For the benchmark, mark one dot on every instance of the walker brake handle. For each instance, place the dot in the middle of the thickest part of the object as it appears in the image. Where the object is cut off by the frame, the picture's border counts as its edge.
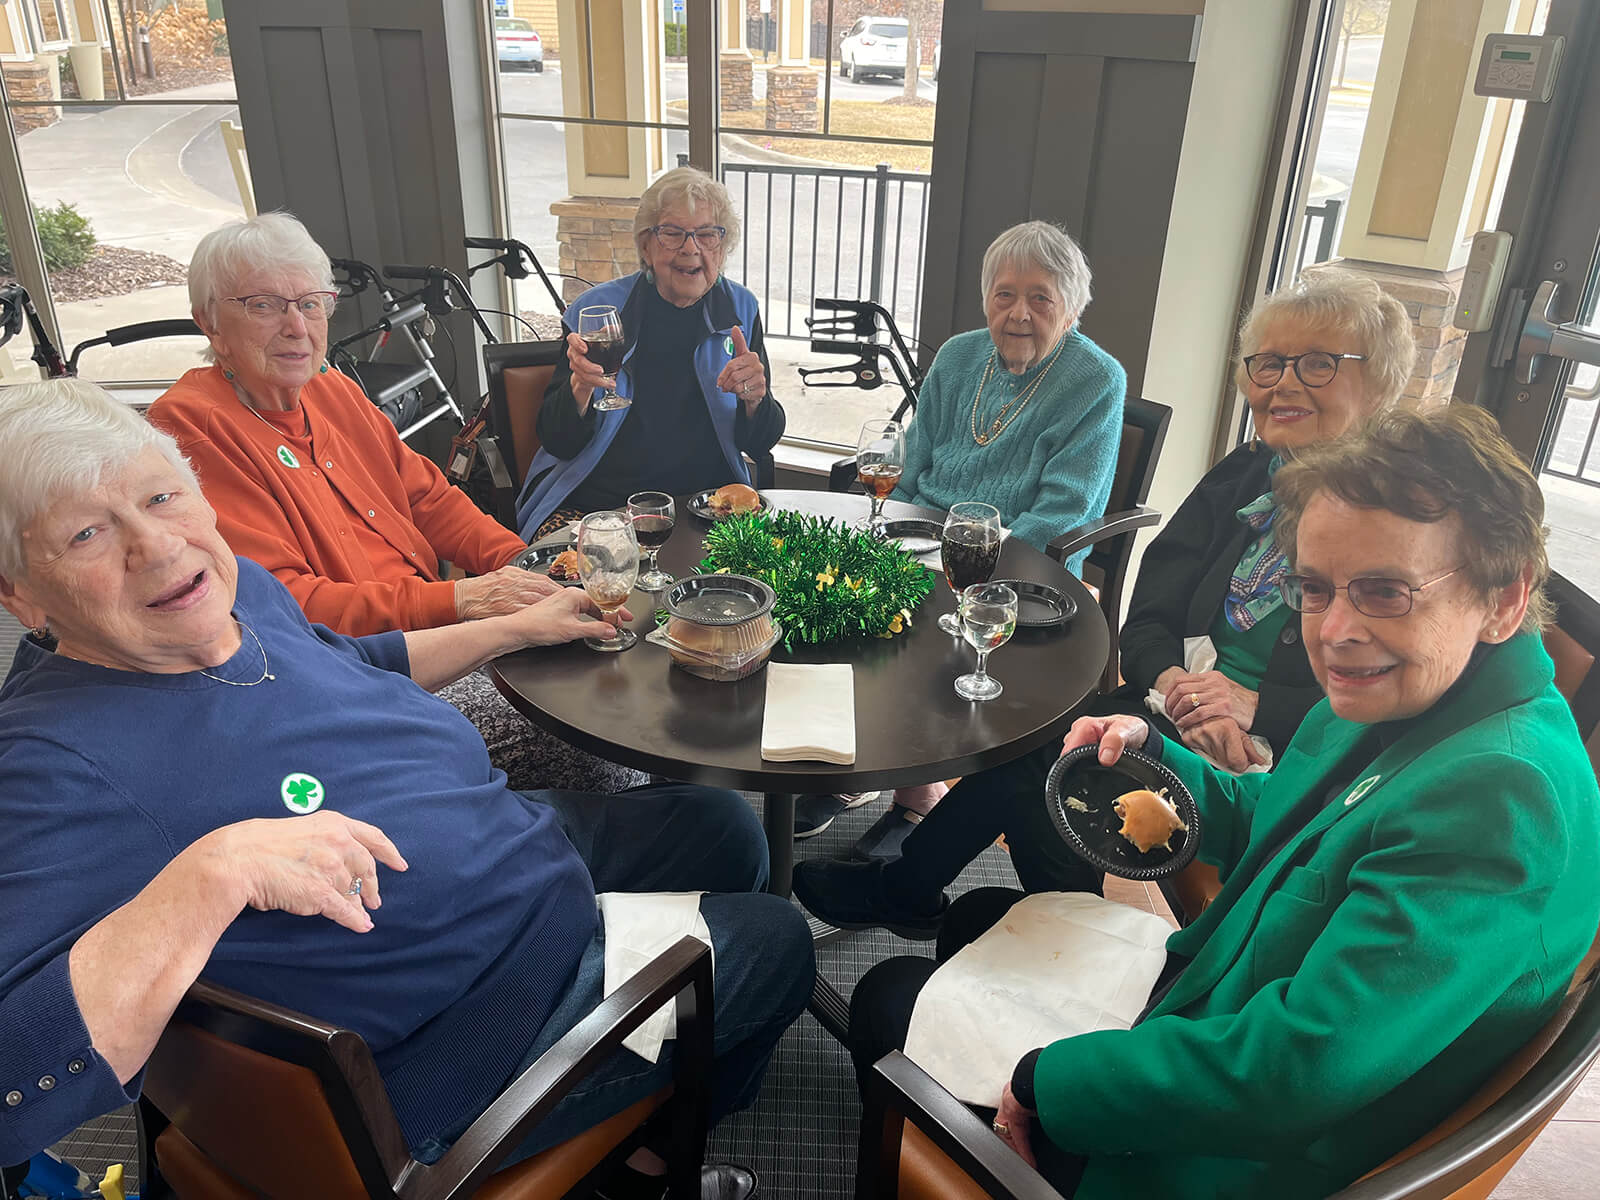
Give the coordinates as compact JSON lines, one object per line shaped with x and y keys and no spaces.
{"x":863,"y":373}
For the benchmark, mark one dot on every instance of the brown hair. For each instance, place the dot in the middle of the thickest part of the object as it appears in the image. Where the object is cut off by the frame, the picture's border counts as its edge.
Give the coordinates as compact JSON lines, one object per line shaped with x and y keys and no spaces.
{"x":1425,"y":467}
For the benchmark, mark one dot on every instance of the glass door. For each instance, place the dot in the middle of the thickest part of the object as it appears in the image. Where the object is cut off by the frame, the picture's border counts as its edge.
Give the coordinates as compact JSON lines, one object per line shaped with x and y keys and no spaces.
{"x":1538,"y":367}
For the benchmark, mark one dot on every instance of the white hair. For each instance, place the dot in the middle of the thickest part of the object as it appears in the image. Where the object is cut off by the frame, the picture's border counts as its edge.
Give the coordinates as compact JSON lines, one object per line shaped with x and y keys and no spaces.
{"x":272,"y":240}
{"x":1048,"y":247}
{"x":1331,"y":300}
{"x":694,"y":189}
{"x":60,"y":438}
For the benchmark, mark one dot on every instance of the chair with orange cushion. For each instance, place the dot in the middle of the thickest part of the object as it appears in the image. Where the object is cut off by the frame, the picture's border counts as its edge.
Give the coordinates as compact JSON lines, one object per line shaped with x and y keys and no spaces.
{"x":518,"y":374}
{"x":244,"y":1099}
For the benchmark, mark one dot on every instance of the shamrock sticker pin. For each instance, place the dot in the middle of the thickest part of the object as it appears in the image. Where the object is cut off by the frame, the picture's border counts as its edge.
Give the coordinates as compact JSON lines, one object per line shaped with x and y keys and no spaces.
{"x":286,"y":457}
{"x":301,"y":793}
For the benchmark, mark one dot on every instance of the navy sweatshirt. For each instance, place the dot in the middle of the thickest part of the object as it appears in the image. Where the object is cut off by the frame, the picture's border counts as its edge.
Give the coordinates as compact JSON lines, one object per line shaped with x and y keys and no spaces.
{"x":106,"y":775}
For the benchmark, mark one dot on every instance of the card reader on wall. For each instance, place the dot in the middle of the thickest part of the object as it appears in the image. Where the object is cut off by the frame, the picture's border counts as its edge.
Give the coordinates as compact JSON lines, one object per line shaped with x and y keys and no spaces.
{"x":1519,"y":66}
{"x":1480,"y":283}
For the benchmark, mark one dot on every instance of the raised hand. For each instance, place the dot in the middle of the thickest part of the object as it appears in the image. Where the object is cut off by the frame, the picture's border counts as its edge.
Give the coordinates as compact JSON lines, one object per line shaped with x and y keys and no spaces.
{"x":745,"y":375}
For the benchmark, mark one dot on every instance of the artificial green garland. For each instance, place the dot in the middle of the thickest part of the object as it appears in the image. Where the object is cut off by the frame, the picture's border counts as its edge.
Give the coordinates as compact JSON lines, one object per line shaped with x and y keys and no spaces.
{"x":832,"y":582}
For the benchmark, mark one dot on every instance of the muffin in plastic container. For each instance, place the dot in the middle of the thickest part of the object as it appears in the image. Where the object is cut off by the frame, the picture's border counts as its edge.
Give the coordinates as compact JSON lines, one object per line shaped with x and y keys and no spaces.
{"x":720,"y":627}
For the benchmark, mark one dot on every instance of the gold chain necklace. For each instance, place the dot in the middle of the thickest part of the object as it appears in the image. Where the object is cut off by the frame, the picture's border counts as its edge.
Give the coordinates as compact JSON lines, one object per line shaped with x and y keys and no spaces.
{"x":266,"y":673}
{"x":239,"y":394}
{"x":1001,"y":422}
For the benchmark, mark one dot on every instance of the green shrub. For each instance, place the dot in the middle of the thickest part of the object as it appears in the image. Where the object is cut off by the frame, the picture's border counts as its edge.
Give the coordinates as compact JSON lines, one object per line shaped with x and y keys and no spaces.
{"x":677,"y":40}
{"x":65,"y":234}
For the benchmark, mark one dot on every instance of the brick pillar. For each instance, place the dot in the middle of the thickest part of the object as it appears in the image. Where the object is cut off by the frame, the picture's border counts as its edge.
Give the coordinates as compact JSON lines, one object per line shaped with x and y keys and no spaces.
{"x":32,"y":81}
{"x":1430,"y":299}
{"x":594,"y":235}
{"x":792,"y":99}
{"x":108,"y":69}
{"x":737,"y":72}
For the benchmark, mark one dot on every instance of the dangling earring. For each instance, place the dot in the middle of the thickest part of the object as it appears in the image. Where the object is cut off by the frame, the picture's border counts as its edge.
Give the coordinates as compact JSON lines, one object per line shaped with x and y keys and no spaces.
{"x":227,"y":374}
{"x":323,"y":369}
{"x":1255,"y":444}
{"x":42,"y":632}
{"x":649,"y":274}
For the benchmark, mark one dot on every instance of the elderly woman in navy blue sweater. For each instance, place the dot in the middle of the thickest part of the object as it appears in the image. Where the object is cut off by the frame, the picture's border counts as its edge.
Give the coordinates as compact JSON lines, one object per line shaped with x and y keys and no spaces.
{"x":196,"y":781}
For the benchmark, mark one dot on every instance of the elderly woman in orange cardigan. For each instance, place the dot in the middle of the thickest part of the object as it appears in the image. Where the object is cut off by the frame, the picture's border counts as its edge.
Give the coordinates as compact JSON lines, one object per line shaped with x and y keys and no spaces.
{"x":311,"y":481}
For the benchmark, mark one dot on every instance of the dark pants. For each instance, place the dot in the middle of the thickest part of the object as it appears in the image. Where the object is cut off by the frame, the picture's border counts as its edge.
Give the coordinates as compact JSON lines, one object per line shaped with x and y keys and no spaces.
{"x":1005,"y":800}
{"x":881,"y":1006}
{"x":677,"y":838}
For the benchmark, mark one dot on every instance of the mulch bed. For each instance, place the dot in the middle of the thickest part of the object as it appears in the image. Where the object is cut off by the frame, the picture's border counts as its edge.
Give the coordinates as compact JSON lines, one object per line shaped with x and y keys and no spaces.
{"x":114,"y":271}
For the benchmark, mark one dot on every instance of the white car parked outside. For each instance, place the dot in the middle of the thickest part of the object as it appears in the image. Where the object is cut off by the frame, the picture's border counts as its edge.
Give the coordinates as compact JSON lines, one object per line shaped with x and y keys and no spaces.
{"x":874,"y":46}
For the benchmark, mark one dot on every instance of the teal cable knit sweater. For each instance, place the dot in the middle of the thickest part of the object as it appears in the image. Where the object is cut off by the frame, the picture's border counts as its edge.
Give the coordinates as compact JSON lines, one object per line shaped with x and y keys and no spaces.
{"x":1051,"y":469}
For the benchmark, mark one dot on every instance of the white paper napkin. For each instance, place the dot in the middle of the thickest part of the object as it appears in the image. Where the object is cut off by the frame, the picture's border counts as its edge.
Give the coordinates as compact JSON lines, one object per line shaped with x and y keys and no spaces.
{"x":811,"y":713}
{"x":1057,"y":965}
{"x":639,"y":926}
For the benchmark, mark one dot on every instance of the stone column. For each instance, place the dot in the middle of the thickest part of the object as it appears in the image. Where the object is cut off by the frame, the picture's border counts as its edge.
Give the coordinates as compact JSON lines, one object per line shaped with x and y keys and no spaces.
{"x":608,"y":166}
{"x":36,"y":80}
{"x":1425,"y":181}
{"x":793,"y":84}
{"x":735,"y":67}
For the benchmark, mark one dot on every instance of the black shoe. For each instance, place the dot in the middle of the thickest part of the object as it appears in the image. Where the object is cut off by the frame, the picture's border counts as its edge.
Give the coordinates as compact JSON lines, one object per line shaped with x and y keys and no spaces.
{"x":814,"y":812}
{"x":883,"y":840}
{"x":718,"y":1181}
{"x":855,"y":799}
{"x":851,"y":895}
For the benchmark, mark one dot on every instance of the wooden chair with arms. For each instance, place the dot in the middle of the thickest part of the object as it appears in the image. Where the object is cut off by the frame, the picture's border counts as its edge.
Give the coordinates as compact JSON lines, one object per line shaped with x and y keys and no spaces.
{"x":245,"y":1099}
{"x":518,"y":374}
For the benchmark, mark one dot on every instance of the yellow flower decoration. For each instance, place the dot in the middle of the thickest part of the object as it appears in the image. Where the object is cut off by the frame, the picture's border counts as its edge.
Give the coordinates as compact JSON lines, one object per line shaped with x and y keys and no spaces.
{"x":896,"y":625}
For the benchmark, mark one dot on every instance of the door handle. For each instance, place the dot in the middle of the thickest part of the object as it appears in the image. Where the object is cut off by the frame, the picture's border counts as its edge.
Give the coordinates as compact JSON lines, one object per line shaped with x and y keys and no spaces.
{"x":1543,"y":336}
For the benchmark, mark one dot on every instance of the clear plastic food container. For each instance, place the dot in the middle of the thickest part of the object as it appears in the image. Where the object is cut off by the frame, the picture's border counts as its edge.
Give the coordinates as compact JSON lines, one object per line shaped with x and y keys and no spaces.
{"x":720,"y":627}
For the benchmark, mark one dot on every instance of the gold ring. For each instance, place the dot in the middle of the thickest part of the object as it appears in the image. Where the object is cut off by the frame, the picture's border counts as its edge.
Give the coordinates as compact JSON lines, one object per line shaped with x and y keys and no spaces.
{"x":1194,"y":700}
{"x":1002,"y":1129}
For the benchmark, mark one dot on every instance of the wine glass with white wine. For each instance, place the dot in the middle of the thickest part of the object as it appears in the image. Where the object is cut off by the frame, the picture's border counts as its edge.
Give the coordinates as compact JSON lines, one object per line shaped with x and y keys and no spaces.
{"x":988,"y":619}
{"x":608,"y":565}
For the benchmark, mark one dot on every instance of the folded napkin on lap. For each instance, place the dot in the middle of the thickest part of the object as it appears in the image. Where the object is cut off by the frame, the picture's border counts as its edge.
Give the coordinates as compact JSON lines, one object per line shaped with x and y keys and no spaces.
{"x":1058,"y":964}
{"x":638,"y":927}
{"x":811,"y":713}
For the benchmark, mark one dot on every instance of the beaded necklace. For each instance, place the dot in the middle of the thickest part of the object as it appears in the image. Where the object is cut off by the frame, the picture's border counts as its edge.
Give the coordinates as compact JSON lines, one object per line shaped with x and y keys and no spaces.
{"x":1001,"y":422}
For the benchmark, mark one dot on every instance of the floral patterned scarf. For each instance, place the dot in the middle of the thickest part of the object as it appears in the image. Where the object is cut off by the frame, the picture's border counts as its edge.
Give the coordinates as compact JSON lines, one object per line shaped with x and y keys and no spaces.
{"x":1253,"y":590}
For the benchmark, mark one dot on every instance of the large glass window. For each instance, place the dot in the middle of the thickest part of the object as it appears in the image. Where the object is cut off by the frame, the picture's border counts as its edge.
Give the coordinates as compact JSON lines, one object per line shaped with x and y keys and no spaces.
{"x":127,"y":130}
{"x":824,"y":139}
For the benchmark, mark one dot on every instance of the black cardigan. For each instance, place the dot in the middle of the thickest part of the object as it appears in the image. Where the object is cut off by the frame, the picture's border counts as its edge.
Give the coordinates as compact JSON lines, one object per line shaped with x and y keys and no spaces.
{"x":1181,"y":586}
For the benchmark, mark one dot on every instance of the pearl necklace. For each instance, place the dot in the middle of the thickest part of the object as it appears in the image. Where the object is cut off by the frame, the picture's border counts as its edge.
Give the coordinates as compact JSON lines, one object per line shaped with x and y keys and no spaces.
{"x":1001,"y":422}
{"x":265,"y":670}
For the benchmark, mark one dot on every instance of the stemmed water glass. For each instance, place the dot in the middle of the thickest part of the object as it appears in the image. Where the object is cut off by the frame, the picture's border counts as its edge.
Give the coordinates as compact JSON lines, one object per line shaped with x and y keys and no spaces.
{"x":988,"y":619}
{"x":970,"y":548}
{"x":653,"y":515}
{"x":601,"y":330}
{"x":608,"y":565}
{"x":880,"y":458}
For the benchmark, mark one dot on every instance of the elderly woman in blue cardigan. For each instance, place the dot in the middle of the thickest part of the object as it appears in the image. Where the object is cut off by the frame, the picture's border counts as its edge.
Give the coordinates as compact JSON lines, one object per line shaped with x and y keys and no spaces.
{"x":1025,"y":415}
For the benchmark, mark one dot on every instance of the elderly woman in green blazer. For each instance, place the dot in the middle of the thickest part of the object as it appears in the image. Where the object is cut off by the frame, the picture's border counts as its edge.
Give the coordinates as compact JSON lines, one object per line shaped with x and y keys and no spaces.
{"x":1404,"y":899}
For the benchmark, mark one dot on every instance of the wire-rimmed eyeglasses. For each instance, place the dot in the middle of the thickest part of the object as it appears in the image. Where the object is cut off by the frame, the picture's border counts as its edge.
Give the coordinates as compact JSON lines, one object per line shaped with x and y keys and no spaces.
{"x":1370,"y":594}
{"x":707,"y":237}
{"x":313,"y":306}
{"x":1314,"y":368}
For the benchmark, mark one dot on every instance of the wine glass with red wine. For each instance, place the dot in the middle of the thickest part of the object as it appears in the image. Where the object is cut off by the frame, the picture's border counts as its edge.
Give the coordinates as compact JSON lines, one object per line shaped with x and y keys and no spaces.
{"x":601,"y":329}
{"x":970,"y":548}
{"x":880,"y":458}
{"x":608,"y":565}
{"x":653,"y":514}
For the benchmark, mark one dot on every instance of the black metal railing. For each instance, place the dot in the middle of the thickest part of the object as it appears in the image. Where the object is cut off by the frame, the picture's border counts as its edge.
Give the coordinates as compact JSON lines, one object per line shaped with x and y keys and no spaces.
{"x":1572,"y":452}
{"x":1326,"y":215}
{"x":856,"y":233}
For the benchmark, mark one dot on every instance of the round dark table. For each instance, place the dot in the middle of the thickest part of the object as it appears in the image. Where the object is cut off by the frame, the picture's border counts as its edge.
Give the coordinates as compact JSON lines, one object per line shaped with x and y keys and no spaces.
{"x":911,"y":727}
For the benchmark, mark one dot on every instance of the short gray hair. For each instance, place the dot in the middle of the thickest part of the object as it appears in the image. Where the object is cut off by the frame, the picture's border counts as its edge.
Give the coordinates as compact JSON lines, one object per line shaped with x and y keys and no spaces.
{"x":1343,"y":302}
{"x":229,"y":253}
{"x":1048,"y":247}
{"x":60,"y":438}
{"x":695,"y":189}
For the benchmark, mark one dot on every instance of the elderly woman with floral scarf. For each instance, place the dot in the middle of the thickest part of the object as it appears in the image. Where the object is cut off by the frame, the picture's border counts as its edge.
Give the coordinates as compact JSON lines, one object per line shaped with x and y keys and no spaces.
{"x":1316,"y":361}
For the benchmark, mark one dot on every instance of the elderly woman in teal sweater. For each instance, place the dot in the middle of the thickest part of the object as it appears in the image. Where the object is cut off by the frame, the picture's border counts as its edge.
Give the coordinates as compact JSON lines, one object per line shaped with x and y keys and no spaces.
{"x":1025,"y":415}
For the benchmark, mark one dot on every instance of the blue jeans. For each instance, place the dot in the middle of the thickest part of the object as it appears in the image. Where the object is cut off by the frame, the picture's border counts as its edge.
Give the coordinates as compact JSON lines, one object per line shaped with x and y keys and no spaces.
{"x":676,"y":838}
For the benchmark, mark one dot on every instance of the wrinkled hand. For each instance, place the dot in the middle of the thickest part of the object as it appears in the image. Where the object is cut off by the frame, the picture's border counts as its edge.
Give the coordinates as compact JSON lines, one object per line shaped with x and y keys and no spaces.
{"x":1115,"y":734}
{"x":1225,"y":742}
{"x":563,"y":617}
{"x":1018,"y":1123}
{"x":1217,"y":696}
{"x":504,"y":591}
{"x":745,"y":375}
{"x":304,"y":865}
{"x":586,"y":376}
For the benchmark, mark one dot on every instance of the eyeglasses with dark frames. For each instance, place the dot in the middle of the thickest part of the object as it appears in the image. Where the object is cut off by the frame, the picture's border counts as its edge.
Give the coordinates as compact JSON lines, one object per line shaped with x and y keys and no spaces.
{"x":313,"y":306}
{"x":1370,"y":594}
{"x":1314,"y":368}
{"x":707,"y":237}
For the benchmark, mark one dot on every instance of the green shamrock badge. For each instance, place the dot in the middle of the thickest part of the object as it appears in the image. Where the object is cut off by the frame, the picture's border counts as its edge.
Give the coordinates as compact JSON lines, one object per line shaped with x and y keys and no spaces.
{"x":286,"y":457}
{"x":301,"y":793}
